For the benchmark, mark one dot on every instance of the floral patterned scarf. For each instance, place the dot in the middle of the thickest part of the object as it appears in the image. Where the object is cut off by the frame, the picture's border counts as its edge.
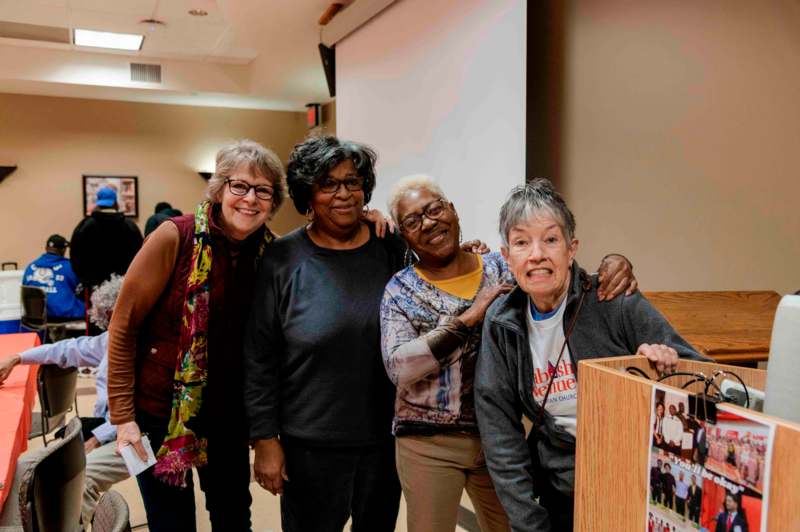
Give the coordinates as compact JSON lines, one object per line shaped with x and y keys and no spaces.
{"x":183,"y":448}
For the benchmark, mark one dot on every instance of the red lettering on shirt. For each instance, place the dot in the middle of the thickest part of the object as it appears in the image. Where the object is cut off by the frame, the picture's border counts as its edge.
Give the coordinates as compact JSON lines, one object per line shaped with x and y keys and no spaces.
{"x":563,"y":381}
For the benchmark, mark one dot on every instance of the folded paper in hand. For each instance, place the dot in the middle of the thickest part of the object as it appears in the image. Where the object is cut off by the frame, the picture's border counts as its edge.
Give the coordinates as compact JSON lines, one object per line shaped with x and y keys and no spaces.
{"x":135,"y":464}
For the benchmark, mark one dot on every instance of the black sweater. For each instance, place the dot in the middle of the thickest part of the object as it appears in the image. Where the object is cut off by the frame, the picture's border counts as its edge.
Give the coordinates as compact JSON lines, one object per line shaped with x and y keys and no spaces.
{"x":313,"y":367}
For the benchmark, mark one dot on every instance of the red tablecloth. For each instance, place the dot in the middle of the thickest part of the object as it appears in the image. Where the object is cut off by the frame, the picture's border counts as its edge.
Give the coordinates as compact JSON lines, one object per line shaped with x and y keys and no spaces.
{"x":16,"y":403}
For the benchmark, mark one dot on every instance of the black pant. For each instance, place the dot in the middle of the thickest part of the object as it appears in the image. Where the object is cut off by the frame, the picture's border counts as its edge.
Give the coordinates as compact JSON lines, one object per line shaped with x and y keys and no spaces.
{"x":225,"y":480}
{"x":655,"y":492}
{"x":669,"y":500}
{"x":327,"y":485}
{"x":680,"y":505}
{"x":560,"y":507}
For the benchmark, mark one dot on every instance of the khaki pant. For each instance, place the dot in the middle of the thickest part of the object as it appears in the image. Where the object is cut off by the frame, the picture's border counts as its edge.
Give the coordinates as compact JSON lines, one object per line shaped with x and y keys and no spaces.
{"x":104,"y":468}
{"x":434,"y":471}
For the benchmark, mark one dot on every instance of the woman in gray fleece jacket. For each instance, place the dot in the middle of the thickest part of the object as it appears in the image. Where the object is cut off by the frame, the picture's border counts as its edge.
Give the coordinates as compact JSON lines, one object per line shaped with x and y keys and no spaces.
{"x":532,"y":340}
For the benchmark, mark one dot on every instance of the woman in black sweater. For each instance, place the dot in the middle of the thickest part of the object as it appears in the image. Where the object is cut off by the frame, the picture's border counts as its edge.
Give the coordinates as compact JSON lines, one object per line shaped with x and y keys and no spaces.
{"x":318,"y":400}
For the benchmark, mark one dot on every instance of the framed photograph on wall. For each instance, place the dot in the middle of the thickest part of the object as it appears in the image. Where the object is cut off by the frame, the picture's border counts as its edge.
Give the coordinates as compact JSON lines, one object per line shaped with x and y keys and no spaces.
{"x":126,"y":187}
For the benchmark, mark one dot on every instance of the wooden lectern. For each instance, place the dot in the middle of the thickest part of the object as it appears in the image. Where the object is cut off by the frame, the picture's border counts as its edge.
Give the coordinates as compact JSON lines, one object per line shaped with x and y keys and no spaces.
{"x":612,"y":471}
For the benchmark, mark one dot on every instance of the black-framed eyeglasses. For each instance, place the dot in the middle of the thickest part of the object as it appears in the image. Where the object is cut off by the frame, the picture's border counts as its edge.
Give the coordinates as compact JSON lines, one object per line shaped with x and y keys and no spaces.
{"x":432,"y":211}
{"x":241,"y":188}
{"x":331,"y":186}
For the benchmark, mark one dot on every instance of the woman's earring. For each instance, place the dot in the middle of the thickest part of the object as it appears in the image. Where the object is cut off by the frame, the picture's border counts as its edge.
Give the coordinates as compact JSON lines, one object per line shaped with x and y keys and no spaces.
{"x":460,"y":235}
{"x":310,"y":215}
{"x":409,"y":257}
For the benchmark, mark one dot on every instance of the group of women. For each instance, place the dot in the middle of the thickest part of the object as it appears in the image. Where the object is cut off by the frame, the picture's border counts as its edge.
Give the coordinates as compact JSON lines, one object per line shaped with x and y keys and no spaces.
{"x":225,"y":335}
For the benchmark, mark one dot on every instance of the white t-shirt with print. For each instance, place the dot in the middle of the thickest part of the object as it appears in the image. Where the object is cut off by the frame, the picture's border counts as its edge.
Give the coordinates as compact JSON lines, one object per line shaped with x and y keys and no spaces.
{"x":546,"y":337}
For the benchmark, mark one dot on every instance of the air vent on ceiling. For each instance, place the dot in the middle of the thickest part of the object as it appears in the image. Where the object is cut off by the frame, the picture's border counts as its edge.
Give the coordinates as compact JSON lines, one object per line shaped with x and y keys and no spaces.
{"x":145,"y":72}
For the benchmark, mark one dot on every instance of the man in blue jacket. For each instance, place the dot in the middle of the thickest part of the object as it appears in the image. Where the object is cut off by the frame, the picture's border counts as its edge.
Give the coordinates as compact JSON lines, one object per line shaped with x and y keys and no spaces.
{"x":53,"y":273}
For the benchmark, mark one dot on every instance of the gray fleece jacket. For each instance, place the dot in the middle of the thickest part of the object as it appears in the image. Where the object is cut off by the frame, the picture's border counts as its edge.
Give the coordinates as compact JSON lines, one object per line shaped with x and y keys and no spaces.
{"x":504,"y":383}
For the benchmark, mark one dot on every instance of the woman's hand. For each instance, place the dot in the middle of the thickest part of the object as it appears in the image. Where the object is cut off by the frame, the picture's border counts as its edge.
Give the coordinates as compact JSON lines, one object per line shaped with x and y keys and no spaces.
{"x":615,"y":275}
{"x":474,"y":314}
{"x":475,"y":246}
{"x":269,"y":466}
{"x":7,"y":365}
{"x":382,"y":223}
{"x":662,"y":357}
{"x":129,"y":434}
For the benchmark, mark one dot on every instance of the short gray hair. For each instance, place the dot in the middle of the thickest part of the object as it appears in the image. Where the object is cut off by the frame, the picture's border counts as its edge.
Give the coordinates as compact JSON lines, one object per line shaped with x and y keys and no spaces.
{"x":532,"y":199}
{"x":260,"y":161}
{"x":408,"y":184}
{"x":104,"y":298}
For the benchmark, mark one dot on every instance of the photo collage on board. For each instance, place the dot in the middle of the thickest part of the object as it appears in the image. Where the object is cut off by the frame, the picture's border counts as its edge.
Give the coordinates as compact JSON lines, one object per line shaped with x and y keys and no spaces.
{"x":705,"y":476}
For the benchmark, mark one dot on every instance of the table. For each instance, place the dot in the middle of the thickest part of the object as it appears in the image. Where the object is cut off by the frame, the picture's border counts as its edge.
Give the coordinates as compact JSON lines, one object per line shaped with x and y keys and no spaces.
{"x":731,"y":327}
{"x":17,"y":396}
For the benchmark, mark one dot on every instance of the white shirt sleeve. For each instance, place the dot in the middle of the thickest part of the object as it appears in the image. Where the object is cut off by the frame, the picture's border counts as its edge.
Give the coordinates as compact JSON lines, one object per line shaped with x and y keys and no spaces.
{"x":105,"y":433}
{"x":75,"y":352}
{"x":69,"y":353}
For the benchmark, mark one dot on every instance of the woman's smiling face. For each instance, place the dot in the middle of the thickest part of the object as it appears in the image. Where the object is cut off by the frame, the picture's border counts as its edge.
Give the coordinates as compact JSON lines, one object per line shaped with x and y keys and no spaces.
{"x":341,"y":208}
{"x":243,"y":215}
{"x":435,"y":235}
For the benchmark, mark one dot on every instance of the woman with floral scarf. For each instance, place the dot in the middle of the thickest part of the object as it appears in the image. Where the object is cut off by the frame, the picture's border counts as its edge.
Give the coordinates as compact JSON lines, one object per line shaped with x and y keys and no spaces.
{"x":175,"y":364}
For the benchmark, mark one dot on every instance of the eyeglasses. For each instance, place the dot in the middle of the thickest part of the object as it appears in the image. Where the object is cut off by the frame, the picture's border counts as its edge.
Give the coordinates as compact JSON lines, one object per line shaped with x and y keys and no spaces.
{"x":432,"y":211}
{"x":331,"y":186}
{"x":242,"y":188}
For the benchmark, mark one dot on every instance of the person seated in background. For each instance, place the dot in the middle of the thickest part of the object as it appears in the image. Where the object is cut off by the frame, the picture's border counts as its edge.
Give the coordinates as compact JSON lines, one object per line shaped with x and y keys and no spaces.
{"x":104,"y":467}
{"x":163,"y":211}
{"x":431,"y":317}
{"x":105,"y":242}
{"x":533,"y":338}
{"x":52,"y":272}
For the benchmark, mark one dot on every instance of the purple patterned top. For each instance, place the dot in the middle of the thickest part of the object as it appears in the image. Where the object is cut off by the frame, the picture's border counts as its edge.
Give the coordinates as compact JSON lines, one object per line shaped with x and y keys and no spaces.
{"x":434,"y":393}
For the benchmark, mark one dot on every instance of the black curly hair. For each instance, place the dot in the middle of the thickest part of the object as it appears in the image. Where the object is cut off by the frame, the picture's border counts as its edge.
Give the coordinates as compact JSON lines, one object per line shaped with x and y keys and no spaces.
{"x":312,"y":160}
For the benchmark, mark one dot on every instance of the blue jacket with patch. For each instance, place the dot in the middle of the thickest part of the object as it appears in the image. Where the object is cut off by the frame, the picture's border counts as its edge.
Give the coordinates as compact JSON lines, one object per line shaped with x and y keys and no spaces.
{"x":53,"y":273}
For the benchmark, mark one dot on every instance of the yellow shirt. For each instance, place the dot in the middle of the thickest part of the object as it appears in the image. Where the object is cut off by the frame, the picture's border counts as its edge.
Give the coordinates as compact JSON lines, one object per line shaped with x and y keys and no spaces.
{"x":464,"y":286}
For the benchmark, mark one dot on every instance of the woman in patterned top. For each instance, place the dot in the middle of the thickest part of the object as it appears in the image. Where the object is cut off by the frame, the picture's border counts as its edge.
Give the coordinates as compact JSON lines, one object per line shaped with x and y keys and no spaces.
{"x":431,"y":317}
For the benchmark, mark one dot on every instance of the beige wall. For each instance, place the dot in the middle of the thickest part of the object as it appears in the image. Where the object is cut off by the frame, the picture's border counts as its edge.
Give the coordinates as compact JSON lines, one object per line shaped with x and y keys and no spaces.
{"x":56,"y":140}
{"x":329,"y":117}
{"x":681,"y":140}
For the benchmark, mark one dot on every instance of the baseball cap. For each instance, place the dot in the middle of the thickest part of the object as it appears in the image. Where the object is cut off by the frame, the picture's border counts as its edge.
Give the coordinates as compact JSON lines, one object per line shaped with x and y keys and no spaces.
{"x":57,"y":242}
{"x":106,"y":197}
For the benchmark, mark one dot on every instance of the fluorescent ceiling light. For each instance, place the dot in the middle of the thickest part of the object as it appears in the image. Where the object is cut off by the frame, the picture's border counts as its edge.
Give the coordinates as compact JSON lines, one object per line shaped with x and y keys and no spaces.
{"x":107,"y":39}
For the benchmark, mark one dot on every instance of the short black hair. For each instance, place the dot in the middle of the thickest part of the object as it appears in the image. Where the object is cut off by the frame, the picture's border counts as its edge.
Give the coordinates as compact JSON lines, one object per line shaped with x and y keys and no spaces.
{"x":312,"y":160}
{"x":162,"y":206}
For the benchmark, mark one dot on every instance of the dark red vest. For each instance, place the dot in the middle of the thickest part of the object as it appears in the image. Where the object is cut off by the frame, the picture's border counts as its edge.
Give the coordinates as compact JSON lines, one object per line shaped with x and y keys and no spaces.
{"x":159,"y":336}
{"x":158,"y":345}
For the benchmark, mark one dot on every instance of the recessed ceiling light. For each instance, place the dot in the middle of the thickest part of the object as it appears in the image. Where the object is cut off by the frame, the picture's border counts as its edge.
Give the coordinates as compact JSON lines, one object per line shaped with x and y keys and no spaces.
{"x":107,"y":39}
{"x":198,"y":12}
